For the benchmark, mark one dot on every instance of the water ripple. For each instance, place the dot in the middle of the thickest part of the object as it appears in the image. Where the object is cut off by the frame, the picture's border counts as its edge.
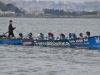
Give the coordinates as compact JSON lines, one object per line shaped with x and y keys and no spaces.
{"x":22,"y":60}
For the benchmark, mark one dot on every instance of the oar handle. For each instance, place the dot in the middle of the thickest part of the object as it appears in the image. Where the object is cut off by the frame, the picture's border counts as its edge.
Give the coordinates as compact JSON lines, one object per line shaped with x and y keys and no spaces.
{"x":5,"y":33}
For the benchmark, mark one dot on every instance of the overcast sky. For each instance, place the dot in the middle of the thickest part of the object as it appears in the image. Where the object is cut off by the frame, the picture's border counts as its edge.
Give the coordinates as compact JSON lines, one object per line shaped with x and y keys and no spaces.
{"x":76,"y":1}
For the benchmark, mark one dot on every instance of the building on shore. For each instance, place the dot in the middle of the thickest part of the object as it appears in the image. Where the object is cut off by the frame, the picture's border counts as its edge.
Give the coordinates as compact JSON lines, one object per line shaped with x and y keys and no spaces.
{"x":1,"y":13}
{"x":9,"y":12}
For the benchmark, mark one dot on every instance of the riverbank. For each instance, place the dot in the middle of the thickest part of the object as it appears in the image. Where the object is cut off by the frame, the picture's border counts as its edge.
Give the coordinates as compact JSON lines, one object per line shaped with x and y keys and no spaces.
{"x":48,"y":16}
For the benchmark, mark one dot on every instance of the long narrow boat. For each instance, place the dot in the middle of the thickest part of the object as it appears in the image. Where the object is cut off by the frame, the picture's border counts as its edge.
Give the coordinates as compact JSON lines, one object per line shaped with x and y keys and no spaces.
{"x":91,"y":42}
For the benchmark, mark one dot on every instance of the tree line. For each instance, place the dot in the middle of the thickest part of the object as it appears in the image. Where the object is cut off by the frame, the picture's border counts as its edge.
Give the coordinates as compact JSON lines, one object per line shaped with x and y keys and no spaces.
{"x":9,"y":7}
{"x":56,"y":12}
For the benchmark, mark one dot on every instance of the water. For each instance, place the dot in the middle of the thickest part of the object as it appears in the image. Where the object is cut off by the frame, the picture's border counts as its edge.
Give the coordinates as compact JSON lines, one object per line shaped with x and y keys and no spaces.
{"x":22,"y":60}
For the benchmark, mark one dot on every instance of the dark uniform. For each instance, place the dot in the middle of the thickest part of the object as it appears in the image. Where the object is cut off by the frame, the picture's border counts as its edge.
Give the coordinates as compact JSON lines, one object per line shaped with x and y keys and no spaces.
{"x":10,"y":28}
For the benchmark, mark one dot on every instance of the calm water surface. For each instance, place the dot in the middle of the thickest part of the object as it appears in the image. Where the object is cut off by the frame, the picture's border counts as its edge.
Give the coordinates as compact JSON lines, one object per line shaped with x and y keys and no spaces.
{"x":22,"y":60}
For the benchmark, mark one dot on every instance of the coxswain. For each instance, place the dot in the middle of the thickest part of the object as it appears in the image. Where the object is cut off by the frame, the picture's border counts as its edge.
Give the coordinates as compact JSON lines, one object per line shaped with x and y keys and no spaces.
{"x":11,"y":28}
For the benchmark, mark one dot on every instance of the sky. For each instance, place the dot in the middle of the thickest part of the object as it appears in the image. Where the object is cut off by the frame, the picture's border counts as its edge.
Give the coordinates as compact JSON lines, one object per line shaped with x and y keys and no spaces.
{"x":76,"y":1}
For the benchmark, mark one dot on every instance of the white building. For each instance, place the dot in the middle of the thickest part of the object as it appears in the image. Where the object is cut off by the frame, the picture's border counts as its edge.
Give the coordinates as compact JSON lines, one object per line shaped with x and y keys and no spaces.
{"x":1,"y":13}
{"x":9,"y":12}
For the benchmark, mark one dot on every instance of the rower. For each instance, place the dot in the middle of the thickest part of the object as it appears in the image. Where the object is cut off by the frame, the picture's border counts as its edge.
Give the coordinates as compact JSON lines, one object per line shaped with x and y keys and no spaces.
{"x":29,"y":36}
{"x":11,"y":28}
{"x":61,"y":37}
{"x":69,"y":37}
{"x":87,"y":34}
{"x":50,"y":36}
{"x":81,"y":36}
{"x":40,"y":36}
{"x":20,"y":36}
{"x":73,"y":36}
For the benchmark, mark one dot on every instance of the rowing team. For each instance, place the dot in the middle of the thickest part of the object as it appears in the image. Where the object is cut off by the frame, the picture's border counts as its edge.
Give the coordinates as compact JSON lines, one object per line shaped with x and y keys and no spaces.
{"x":51,"y":36}
{"x":41,"y":36}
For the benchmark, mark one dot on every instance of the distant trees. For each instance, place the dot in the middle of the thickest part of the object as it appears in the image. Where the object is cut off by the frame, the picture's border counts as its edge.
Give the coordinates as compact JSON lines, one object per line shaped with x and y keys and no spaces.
{"x":56,"y":12}
{"x":9,"y":7}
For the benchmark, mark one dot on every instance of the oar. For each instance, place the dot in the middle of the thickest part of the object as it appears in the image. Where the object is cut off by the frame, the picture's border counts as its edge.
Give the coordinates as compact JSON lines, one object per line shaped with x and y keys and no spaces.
{"x":5,"y":34}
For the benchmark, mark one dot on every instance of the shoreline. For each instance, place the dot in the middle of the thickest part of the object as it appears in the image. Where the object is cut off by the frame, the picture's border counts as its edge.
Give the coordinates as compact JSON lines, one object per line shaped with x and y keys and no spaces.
{"x":49,"y":17}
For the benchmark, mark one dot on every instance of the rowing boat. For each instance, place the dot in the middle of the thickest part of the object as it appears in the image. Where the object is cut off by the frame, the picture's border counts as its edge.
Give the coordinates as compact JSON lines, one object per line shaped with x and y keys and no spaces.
{"x":91,"y":42}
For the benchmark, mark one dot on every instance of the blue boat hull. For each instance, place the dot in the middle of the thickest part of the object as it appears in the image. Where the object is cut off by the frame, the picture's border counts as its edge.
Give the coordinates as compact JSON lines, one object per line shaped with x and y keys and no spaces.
{"x":92,"y":42}
{"x":11,"y":42}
